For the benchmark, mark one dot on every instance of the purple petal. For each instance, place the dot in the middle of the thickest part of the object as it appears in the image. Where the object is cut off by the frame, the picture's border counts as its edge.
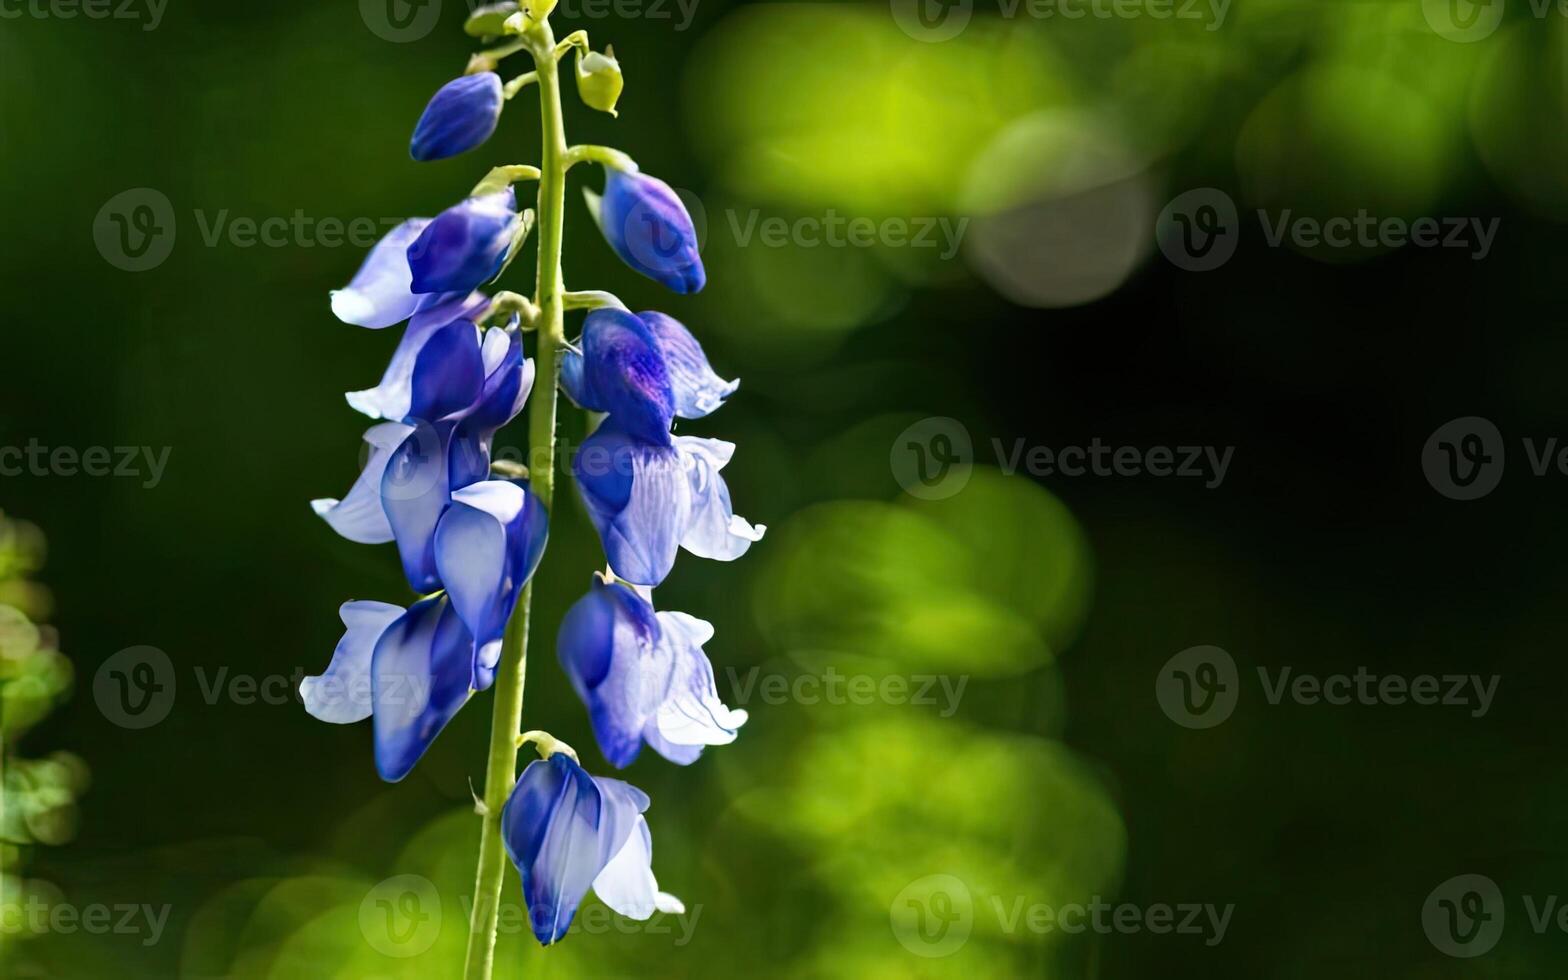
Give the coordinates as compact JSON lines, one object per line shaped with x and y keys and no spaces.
{"x":697,"y":388}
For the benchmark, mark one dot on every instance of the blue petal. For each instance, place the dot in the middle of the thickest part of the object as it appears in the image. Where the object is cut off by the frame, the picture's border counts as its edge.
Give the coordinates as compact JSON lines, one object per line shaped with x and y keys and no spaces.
{"x":414,"y":493}
{"x":715,"y":530}
{"x":561,"y":828}
{"x":341,"y":693}
{"x":487,"y":545}
{"x":420,"y":672}
{"x":623,"y":369}
{"x":465,"y":245}
{"x":381,"y":293}
{"x":697,"y":388}
{"x":448,"y":373}
{"x":462,"y":114}
{"x":508,"y":380}
{"x":391,"y":399}
{"x":609,"y":647}
{"x":360,"y":516}
{"x":638,"y":498}
{"x":648,"y":227}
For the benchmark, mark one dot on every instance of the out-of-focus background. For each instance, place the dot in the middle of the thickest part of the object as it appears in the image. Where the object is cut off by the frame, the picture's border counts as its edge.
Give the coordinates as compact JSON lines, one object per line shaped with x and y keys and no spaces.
{"x":1109,"y":367}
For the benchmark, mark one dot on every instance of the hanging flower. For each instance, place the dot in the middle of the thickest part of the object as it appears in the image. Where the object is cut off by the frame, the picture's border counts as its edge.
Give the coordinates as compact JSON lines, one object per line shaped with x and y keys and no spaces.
{"x":648,"y":227}
{"x":409,"y":671}
{"x":694,"y":388}
{"x":643,"y":676}
{"x":566,"y":832}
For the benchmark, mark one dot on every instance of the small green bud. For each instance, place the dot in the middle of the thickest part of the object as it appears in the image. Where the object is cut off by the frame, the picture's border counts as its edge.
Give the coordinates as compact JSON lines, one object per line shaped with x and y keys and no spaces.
{"x":538,"y":9}
{"x":599,"y":80}
{"x":489,"y":20}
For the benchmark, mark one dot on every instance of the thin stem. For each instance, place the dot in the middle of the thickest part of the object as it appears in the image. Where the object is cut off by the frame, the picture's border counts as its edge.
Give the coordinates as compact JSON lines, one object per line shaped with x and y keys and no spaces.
{"x":518,"y":84}
{"x":505,"y":724}
{"x":579,"y":39}
{"x":607,"y":155}
{"x":591,"y":299}
{"x":487,"y":60}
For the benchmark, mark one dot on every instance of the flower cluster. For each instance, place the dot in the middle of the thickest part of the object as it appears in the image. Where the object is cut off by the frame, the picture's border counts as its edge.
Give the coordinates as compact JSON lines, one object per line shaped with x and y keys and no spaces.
{"x":469,"y":540}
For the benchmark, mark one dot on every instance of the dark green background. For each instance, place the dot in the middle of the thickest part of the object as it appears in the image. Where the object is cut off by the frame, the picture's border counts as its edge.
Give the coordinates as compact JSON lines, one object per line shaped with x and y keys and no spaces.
{"x":1058,"y":778}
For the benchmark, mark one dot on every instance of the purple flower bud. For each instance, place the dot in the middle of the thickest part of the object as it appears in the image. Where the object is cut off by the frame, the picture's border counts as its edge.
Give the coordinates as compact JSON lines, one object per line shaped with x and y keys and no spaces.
{"x":461,"y":115}
{"x":647,"y":225}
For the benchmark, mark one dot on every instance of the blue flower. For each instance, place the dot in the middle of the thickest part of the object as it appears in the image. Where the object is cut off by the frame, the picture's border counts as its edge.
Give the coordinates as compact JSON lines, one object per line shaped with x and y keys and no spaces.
{"x":613,"y":372}
{"x":648,"y":227}
{"x":461,"y":393}
{"x":462,"y":114}
{"x":647,"y":499}
{"x":643,"y":676}
{"x":381,"y":292}
{"x":567,"y":831}
{"x":465,"y":245}
{"x":487,"y":544}
{"x":409,"y":671}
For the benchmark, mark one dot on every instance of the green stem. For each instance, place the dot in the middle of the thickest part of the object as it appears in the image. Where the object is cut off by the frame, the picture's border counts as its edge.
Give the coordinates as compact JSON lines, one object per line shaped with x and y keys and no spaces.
{"x":608,"y":156}
{"x":506,"y":723}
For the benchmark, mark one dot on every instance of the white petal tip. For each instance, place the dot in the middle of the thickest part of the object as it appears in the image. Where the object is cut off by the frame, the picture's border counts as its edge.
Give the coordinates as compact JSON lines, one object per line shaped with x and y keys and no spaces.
{"x":323,"y":505}
{"x":351,"y":306}
{"x":669,"y":904}
{"x":367,"y":402}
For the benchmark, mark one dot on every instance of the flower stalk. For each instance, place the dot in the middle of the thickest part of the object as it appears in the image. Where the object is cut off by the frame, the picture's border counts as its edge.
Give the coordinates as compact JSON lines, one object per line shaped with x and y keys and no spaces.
{"x":506,"y":722}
